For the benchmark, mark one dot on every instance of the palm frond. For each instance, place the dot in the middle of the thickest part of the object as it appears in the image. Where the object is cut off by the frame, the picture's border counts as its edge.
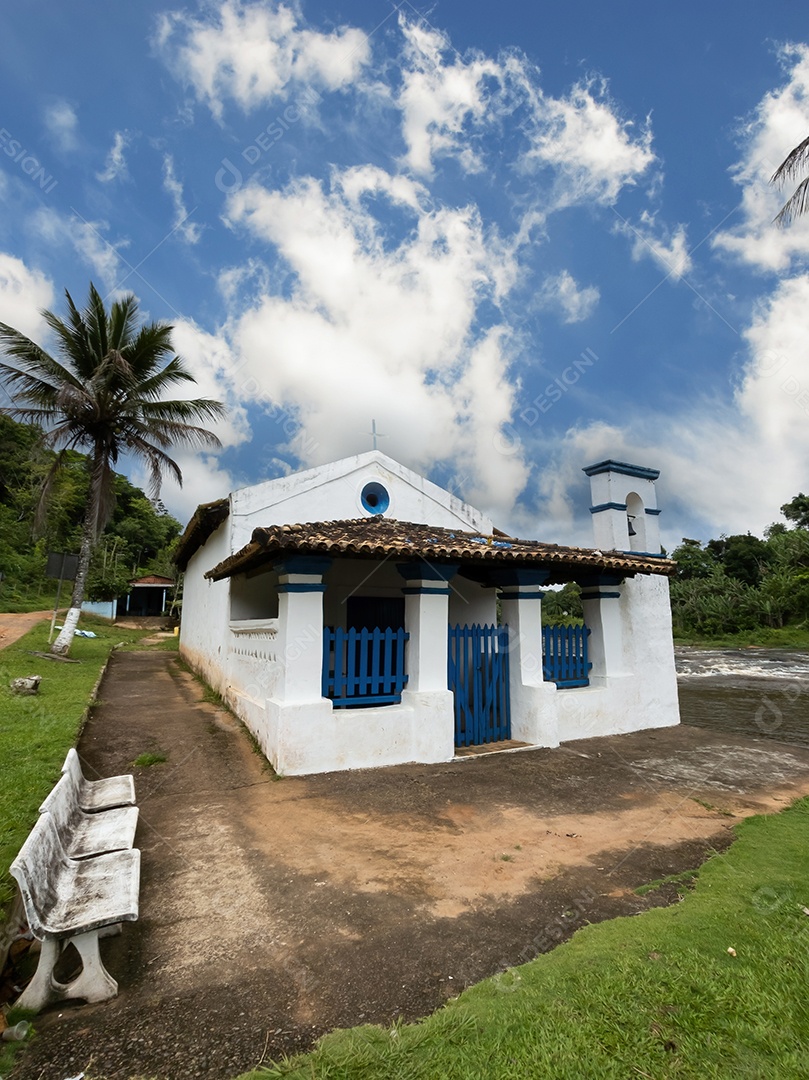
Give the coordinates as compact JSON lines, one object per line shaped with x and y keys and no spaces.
{"x":795,"y":206}
{"x":158,"y":462}
{"x":45,"y":492}
{"x":183,"y":410}
{"x":123,"y":322}
{"x":149,"y":349}
{"x":31,"y":357}
{"x":794,"y":163}
{"x":174,"y":372}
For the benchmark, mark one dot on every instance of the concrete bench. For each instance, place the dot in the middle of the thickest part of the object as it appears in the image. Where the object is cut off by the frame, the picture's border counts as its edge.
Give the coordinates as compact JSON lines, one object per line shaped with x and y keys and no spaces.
{"x":83,"y":835}
{"x":68,"y":901}
{"x":95,"y":795}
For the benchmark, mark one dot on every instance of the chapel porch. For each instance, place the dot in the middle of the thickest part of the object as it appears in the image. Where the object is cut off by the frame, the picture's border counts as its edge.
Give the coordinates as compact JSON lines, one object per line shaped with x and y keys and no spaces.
{"x":376,"y":642}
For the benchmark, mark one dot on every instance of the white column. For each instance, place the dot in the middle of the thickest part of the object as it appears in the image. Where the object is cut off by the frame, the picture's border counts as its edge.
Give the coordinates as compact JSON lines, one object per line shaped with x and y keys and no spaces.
{"x":427,"y":623}
{"x":533,"y":701}
{"x":601,"y":602}
{"x":300,"y":629}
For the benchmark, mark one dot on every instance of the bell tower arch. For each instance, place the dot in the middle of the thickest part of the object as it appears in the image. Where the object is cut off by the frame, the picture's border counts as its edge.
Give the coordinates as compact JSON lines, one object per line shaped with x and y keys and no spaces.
{"x":623,"y":502}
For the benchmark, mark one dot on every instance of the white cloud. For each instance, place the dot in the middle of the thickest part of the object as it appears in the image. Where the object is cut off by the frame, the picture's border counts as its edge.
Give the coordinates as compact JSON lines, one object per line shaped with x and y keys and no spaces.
{"x":440,"y":101}
{"x":594,"y":152}
{"x":727,"y":464}
{"x":187,"y":230}
{"x":210,"y":360}
{"x":778,"y":124}
{"x":23,"y":294}
{"x":254,"y":53}
{"x":372,"y":329}
{"x":204,"y":479}
{"x":87,"y":239}
{"x":115,"y":164}
{"x":62,"y":124}
{"x":562,"y":291}
{"x":653,"y":239}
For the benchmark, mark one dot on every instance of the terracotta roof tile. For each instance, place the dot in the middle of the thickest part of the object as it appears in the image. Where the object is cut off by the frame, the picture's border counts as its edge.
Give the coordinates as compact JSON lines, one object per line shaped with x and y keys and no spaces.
{"x":206,"y":519}
{"x":379,"y":537}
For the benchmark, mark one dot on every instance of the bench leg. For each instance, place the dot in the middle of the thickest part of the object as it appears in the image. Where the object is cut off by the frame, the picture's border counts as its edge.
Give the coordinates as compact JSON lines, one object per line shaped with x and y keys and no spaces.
{"x":93,"y":983}
{"x":39,"y":991}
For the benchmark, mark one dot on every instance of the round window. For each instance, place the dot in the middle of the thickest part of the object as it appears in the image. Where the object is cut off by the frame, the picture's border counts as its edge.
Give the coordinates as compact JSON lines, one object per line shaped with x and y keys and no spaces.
{"x":375,"y":498}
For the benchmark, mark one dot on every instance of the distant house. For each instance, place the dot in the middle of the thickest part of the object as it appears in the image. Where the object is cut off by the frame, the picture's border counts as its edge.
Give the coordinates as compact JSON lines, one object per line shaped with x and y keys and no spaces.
{"x":349,"y":615}
{"x":147,"y":596}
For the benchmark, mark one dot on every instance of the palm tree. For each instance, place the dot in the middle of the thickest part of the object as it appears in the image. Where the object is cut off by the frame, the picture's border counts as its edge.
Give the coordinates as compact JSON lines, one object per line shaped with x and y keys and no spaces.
{"x":103,"y":396}
{"x":793,"y":165}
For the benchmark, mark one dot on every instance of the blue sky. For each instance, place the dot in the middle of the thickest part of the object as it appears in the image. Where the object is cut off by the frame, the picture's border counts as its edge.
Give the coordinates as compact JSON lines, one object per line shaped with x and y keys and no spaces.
{"x":522,"y":238}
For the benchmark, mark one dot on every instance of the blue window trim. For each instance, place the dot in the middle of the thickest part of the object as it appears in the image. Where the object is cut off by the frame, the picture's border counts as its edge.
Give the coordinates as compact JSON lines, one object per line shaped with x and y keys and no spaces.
{"x":654,"y":512}
{"x":373,"y":489}
{"x":607,"y":506}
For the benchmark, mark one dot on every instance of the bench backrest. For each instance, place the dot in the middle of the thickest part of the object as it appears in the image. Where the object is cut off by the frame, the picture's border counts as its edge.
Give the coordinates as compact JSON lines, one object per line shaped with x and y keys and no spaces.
{"x":63,"y":805}
{"x":72,"y":768}
{"x":94,"y":795}
{"x":36,"y":870}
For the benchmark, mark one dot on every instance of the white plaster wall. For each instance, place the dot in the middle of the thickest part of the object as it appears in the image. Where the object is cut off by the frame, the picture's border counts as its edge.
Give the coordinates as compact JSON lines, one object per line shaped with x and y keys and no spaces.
{"x":471,"y":604}
{"x":254,"y":668}
{"x":357,"y":577}
{"x":206,"y":612}
{"x":254,"y":596}
{"x":303,"y":739}
{"x":332,"y":492}
{"x":645,"y":696}
{"x":649,"y":648}
{"x":105,"y":608}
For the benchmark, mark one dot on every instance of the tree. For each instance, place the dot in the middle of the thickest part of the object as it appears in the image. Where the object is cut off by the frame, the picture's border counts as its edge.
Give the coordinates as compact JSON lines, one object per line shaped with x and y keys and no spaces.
{"x":797,"y":510}
{"x":693,"y":560}
{"x":744,"y":557}
{"x":795,"y":163}
{"x":103,"y":395}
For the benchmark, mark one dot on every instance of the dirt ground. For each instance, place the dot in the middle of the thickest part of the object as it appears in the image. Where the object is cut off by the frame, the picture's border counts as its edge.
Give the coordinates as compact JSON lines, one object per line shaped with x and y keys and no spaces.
{"x":275,"y":910}
{"x":14,"y":625}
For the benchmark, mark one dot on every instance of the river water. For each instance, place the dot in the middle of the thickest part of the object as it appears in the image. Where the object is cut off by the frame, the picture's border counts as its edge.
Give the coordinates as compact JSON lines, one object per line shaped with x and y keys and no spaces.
{"x":762,"y":692}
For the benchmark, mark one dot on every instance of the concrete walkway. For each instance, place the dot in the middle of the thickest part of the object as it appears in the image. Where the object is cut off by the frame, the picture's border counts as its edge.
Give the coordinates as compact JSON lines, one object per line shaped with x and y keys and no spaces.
{"x":274,"y":910}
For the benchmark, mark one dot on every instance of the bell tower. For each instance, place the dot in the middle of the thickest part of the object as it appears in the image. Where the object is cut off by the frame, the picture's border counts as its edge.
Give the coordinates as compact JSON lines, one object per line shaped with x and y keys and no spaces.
{"x":624,"y":507}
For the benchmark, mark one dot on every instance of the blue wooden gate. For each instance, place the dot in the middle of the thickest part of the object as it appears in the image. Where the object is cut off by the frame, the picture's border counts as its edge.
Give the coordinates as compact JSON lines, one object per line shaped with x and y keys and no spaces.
{"x":478,"y":677}
{"x":564,"y":655}
{"x":364,"y":667}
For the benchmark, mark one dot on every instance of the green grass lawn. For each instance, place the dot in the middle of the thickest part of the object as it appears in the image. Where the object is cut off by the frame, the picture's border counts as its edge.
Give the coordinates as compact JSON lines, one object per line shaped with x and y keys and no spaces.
{"x":36,"y":732}
{"x":659,"y":995}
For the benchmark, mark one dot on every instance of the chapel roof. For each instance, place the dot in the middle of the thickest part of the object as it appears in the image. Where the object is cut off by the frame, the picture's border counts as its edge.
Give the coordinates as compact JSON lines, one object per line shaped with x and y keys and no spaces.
{"x":379,"y":537}
{"x":206,"y":520}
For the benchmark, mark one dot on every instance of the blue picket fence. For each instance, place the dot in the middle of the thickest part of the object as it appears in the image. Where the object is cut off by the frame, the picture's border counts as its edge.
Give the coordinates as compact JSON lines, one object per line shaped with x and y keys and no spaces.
{"x":477,"y":674}
{"x":364,"y":667}
{"x":564,"y":655}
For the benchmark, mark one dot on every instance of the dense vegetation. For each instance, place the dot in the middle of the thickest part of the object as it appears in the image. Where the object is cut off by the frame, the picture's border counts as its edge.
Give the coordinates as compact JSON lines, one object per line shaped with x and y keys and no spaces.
{"x":138,"y":539}
{"x":743,"y":583}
